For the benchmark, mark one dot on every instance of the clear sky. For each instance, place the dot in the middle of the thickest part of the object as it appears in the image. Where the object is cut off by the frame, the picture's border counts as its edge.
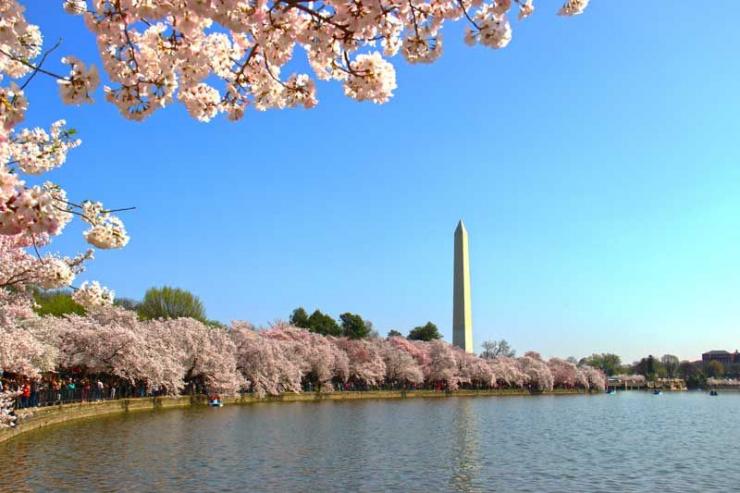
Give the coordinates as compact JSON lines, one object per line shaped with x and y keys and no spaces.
{"x":594,"y":162}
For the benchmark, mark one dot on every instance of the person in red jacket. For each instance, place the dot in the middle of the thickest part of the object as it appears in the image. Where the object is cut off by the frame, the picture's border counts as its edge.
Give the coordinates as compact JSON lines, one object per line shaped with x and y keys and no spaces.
{"x":26,"y":394}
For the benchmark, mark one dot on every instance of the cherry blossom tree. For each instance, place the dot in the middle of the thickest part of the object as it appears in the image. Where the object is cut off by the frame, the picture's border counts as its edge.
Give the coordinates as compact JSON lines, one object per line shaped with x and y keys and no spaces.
{"x":475,"y":370}
{"x":416,"y":349}
{"x":366,"y":363}
{"x":507,"y":372}
{"x":564,"y":373}
{"x":31,"y":216}
{"x":538,"y":373}
{"x":596,"y":377}
{"x":443,"y":365}
{"x":167,"y":355}
{"x":265,"y":362}
{"x":207,"y":354}
{"x":25,"y":353}
{"x":102,"y":343}
{"x":158,"y":51}
{"x":400,"y":366}
{"x":319,"y":358}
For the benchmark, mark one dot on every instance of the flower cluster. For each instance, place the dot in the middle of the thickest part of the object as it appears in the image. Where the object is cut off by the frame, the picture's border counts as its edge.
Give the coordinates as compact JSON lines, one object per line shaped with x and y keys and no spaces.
{"x":573,"y":7}
{"x":491,"y":28}
{"x":76,"y":88}
{"x":19,"y":41}
{"x":36,"y":151}
{"x":53,"y":273}
{"x":224,"y":56}
{"x":91,"y":295}
{"x":371,"y":78}
{"x":7,"y":416}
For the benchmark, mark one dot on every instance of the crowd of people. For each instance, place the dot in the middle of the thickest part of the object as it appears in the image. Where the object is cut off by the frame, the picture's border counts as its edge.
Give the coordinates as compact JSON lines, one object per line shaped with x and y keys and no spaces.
{"x":52,"y":389}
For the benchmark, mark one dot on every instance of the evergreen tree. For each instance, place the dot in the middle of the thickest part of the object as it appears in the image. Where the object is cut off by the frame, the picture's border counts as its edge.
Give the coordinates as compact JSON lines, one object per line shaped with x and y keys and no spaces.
{"x":426,"y":332}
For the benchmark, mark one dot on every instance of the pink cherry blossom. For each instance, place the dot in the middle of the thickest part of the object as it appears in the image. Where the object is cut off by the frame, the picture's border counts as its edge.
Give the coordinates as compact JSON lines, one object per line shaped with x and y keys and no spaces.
{"x":573,"y":7}
{"x":92,"y":295}
{"x":77,"y":87}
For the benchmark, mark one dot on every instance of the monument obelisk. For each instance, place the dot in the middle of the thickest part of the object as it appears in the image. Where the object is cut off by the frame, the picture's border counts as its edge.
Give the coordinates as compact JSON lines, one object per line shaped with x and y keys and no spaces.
{"x":462,"y":313}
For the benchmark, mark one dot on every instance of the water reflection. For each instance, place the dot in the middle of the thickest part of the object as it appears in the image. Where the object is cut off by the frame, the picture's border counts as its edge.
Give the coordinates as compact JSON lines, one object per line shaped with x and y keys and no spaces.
{"x":466,"y":450}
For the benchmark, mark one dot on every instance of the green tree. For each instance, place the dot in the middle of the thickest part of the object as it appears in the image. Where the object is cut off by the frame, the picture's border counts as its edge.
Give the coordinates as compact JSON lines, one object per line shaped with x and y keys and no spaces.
{"x":56,"y":303}
{"x":715,"y":369}
{"x":494,"y":349}
{"x":670,"y":363}
{"x":353,"y":326}
{"x":394,"y":333}
{"x":299,"y":318}
{"x":426,"y":332}
{"x":609,"y":363}
{"x":127,"y":303}
{"x":323,"y":324}
{"x":168,"y":302}
{"x":693,"y":374}
{"x":650,"y":368}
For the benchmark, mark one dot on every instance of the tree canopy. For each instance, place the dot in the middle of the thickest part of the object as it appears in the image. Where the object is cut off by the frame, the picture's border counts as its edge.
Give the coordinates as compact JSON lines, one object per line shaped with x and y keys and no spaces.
{"x":715,"y":369}
{"x":299,"y":318}
{"x":494,"y":349}
{"x":168,"y":302}
{"x":671,"y":364}
{"x":353,"y":326}
{"x":426,"y":332}
{"x":609,"y":363}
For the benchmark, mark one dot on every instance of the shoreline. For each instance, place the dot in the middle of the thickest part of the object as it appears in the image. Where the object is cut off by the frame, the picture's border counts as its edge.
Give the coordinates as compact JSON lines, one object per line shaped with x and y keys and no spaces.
{"x":42,"y":417}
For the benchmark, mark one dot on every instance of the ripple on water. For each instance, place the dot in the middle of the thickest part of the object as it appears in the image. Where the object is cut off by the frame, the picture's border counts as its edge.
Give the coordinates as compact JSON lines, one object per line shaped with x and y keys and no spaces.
{"x":632,"y":442}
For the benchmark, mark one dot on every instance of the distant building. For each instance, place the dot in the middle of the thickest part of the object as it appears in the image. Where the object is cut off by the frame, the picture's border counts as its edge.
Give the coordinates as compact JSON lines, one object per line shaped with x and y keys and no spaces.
{"x":725,"y":357}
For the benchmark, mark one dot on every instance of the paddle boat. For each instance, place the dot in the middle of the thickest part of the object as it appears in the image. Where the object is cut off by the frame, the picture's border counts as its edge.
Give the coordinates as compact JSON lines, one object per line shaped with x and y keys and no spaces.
{"x":713,"y":392}
{"x":657,"y":392}
{"x":215,"y":401}
{"x":611,"y":392}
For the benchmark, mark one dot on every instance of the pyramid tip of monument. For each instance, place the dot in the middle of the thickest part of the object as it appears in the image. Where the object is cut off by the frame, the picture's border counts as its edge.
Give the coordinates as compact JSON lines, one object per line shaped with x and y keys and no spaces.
{"x":460,"y":224}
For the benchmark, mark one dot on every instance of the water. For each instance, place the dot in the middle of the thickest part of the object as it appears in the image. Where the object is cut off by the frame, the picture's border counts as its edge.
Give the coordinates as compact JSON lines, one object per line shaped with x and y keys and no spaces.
{"x":629,"y":442}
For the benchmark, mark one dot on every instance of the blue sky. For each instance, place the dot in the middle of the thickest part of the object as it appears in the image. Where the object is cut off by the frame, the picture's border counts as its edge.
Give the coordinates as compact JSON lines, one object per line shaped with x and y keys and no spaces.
{"x":594,"y":161}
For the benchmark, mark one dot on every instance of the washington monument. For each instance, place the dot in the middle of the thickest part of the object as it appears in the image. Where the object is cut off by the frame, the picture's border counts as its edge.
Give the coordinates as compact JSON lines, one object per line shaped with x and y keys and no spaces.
{"x":462,"y":313}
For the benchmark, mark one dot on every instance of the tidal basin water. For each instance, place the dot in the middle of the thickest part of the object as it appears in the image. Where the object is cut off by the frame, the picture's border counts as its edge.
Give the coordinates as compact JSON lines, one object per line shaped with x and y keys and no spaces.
{"x":633,"y":441}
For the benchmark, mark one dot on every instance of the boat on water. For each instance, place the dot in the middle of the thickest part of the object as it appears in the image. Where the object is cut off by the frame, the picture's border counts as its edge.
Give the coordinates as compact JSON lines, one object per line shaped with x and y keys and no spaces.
{"x":215,"y":403}
{"x":713,"y":392}
{"x":611,"y":392}
{"x":657,"y":392}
